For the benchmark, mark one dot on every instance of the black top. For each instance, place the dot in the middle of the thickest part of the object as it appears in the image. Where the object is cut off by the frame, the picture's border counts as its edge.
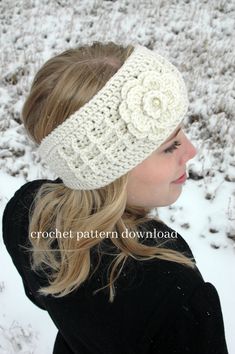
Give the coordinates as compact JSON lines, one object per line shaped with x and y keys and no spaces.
{"x":160,"y":306}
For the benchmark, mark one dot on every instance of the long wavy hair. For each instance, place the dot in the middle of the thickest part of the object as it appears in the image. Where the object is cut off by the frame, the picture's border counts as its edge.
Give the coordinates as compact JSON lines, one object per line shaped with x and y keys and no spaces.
{"x":62,"y":86}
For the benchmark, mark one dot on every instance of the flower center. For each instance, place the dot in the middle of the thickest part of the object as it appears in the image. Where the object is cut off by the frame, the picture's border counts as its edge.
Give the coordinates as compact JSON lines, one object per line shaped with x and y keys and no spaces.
{"x":156,"y":102}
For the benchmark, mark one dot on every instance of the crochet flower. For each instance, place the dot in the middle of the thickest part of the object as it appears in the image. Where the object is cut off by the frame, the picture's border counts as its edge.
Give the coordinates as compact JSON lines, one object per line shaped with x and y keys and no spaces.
{"x":151,"y":101}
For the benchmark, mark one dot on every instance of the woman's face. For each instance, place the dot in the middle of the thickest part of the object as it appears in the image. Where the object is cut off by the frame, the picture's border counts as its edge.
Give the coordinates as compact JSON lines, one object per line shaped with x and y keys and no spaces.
{"x":153,"y":183}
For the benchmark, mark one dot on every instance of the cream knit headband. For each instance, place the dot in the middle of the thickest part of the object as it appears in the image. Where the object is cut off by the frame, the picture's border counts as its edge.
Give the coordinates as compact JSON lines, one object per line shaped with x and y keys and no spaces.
{"x":131,"y":116}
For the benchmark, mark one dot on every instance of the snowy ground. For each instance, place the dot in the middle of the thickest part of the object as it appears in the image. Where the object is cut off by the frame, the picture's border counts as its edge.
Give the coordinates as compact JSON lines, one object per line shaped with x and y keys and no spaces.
{"x":197,"y":37}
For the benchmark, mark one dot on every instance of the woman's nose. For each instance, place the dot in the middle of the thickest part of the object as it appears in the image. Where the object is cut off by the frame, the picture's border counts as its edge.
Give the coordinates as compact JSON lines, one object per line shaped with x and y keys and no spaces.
{"x":193,"y":150}
{"x":189,"y":151}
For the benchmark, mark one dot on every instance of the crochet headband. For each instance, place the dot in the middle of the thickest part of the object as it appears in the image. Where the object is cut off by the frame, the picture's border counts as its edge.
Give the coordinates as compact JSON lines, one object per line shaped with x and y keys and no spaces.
{"x":131,"y":116}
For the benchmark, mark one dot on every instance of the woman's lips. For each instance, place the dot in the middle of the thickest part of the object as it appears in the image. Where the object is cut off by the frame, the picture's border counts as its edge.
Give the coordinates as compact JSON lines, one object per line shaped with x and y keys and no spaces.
{"x":181,"y":179}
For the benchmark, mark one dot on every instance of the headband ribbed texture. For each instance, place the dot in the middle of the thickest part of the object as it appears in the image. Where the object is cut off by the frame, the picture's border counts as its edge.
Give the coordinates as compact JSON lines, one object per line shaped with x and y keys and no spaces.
{"x":130,"y":117}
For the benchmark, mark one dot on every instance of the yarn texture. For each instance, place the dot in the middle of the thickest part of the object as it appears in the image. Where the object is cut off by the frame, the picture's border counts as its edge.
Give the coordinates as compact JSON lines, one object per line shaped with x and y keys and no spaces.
{"x":130,"y":117}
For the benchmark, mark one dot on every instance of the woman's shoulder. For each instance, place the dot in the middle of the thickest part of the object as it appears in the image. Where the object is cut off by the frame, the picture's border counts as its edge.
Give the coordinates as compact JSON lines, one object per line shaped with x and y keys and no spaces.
{"x":162,"y":272}
{"x":26,"y":190}
{"x":17,"y":207}
{"x":155,"y":232}
{"x":154,"y":277}
{"x":30,"y":186}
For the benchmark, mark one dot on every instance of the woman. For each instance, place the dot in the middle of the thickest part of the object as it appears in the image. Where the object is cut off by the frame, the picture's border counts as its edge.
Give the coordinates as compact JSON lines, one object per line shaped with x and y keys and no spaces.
{"x":108,"y":122}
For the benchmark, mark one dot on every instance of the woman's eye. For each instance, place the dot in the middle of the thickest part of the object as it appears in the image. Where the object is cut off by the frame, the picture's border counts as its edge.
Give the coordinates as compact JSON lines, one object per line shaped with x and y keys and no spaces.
{"x":172,"y":147}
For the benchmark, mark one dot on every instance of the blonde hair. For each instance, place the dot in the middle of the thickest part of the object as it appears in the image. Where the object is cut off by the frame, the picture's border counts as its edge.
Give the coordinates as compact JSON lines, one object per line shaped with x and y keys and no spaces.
{"x":62,"y":85}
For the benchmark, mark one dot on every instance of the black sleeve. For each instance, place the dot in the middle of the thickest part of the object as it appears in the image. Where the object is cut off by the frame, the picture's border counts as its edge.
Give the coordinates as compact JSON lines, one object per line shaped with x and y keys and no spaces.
{"x":14,"y":229}
{"x":194,"y":326}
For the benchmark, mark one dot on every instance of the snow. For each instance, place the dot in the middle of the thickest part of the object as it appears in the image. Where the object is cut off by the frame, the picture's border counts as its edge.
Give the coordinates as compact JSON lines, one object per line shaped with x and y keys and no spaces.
{"x":197,"y":37}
